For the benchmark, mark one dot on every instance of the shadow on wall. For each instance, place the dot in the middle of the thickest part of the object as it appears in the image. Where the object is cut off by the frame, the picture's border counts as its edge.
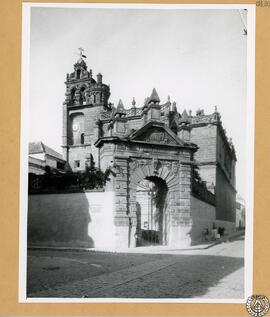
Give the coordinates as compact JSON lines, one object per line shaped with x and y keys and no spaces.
{"x":59,"y":220}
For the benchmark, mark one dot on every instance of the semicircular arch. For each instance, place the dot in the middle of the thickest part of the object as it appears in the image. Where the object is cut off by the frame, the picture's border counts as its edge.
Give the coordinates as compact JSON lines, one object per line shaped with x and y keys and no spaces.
{"x":163,"y":171}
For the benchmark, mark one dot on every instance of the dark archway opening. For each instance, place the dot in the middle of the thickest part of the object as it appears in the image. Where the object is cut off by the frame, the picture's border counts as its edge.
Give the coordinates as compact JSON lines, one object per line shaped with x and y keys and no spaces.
{"x":72,"y":95}
{"x":82,"y":95}
{"x":82,"y":138}
{"x":151,"y":206}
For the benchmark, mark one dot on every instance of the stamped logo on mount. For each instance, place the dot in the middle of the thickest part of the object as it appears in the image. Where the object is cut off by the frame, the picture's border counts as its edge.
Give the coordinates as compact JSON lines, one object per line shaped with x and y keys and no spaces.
{"x":257,"y":305}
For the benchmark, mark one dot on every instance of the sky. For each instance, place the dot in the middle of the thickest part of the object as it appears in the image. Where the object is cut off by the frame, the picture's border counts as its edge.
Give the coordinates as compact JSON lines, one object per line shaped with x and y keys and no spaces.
{"x":197,"y":57}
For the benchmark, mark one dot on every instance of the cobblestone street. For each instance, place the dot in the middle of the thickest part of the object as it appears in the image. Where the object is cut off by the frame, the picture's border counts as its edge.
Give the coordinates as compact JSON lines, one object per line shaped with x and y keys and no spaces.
{"x":216,"y":272}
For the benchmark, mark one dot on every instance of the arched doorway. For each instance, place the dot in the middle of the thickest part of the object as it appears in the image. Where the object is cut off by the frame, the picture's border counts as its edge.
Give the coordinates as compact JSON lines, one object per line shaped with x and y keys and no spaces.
{"x":151,"y":205}
{"x":164,"y":174}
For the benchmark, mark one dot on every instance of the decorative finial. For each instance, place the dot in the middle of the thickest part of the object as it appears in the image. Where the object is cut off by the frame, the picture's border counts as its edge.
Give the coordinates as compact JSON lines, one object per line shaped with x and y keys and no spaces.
{"x":169,"y":98}
{"x":216,"y":109}
{"x":133,"y":102}
{"x":200,"y":112}
{"x":146,"y":101}
{"x":184,"y":118}
{"x":174,"y":109}
{"x":154,"y":96}
{"x":190,"y":113}
{"x":99,"y":78}
{"x":120,"y":106}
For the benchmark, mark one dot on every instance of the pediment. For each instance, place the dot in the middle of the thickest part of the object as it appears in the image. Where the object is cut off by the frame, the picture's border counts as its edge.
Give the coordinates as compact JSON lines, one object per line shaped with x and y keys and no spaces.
{"x":156,"y":133}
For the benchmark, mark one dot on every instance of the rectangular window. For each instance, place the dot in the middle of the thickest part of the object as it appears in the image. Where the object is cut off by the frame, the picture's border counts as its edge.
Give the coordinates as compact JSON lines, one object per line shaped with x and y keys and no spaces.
{"x":76,"y":163}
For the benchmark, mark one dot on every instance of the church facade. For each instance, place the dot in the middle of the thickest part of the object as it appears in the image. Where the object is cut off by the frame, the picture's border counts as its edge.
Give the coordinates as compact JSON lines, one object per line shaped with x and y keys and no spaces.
{"x":173,"y":173}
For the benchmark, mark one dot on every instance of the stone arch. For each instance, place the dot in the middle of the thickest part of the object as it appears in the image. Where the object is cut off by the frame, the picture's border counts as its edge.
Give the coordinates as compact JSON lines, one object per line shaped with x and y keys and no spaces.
{"x":82,"y":91}
{"x":77,"y":127}
{"x":166,"y":170}
{"x":98,"y":99}
{"x":78,"y":73}
{"x":72,"y":94}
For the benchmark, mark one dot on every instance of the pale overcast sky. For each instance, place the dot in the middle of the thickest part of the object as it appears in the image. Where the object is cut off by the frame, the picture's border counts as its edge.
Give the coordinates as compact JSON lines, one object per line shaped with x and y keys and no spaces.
{"x":198,"y":57}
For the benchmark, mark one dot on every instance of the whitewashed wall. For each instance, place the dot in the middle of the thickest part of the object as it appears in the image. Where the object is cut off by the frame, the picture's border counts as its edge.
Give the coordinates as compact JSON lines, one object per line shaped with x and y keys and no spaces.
{"x":71,"y":220}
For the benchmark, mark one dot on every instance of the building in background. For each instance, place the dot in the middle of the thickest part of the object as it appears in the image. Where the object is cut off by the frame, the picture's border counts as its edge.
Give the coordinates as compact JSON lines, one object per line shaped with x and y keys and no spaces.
{"x":40,"y":156}
{"x":240,"y":216}
{"x":216,"y":160}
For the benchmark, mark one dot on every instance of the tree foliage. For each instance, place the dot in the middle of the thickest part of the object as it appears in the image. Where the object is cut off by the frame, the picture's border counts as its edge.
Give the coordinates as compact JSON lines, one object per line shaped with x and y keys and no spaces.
{"x":89,"y":179}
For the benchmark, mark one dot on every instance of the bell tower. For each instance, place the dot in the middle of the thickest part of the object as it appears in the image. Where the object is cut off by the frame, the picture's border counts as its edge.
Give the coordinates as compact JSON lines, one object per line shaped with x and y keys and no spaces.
{"x":85,"y":99}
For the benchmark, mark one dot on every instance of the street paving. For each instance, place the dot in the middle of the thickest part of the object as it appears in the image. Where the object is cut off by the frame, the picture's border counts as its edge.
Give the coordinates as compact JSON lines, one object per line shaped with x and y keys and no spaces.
{"x":217,"y":272}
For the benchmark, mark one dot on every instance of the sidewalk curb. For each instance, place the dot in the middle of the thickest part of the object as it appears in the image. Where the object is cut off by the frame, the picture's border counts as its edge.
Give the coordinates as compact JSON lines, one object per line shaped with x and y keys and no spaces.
{"x":78,"y":249}
{"x":228,"y":238}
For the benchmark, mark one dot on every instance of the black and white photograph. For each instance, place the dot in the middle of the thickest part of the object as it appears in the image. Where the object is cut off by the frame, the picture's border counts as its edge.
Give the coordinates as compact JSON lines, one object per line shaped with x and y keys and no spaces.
{"x":137,"y":153}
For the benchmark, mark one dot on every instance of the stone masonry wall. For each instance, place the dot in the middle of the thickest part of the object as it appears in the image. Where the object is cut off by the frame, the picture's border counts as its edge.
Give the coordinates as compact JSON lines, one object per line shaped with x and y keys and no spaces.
{"x":90,"y":134}
{"x":225,"y":159}
{"x":78,"y":153}
{"x":180,"y":215}
{"x":205,"y":138}
{"x":208,"y":173}
{"x":225,"y":198}
{"x":124,"y":216}
{"x":212,"y":158}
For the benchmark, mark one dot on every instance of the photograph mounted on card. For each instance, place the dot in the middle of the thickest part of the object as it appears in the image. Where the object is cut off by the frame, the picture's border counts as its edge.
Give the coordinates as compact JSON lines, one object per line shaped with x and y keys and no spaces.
{"x":137,"y":153}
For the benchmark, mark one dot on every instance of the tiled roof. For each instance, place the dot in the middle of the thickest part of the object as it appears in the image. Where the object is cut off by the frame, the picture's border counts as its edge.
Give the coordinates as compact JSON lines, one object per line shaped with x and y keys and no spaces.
{"x":35,"y":147}
{"x":39,"y":147}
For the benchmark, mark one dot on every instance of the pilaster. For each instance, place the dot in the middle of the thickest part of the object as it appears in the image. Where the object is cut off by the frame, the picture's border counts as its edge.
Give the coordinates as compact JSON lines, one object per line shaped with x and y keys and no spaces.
{"x":180,"y":201}
{"x":124,"y":219}
{"x":64,"y":133}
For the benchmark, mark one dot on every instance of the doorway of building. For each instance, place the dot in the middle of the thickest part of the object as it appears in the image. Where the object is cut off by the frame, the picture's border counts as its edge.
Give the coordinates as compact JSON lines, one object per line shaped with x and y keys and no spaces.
{"x":151,"y":205}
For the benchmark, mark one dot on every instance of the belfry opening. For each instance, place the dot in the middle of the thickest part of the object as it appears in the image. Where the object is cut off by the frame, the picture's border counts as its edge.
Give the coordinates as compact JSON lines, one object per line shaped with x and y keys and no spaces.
{"x":151,"y":212}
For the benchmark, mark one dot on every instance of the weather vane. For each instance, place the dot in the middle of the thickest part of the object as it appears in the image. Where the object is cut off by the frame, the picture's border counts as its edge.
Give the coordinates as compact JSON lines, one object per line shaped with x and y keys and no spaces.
{"x":81,"y":51}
